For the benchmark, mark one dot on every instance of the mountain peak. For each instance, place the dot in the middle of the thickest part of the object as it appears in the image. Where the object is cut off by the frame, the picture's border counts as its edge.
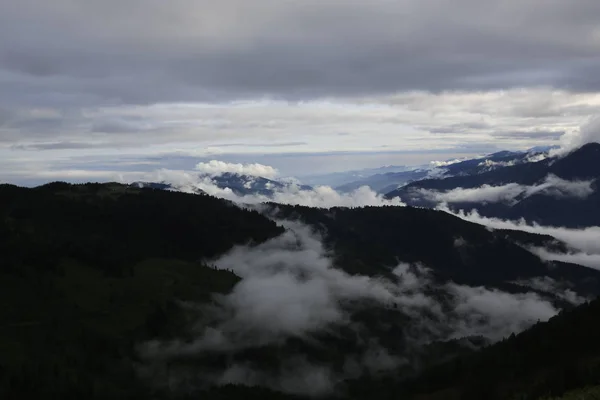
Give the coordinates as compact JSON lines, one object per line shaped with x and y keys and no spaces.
{"x":592,"y":147}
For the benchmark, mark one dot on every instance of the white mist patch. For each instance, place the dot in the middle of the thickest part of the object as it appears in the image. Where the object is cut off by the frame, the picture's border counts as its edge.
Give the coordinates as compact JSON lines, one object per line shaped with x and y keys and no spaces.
{"x":587,"y":133}
{"x":438,"y":164}
{"x":537,"y":157}
{"x":585,"y":240}
{"x":293,"y":194}
{"x":291,"y":290}
{"x":289,"y":192}
{"x":496,"y":164}
{"x":581,"y":258}
{"x":548,"y":285}
{"x":556,"y":187}
{"x":496,"y":314}
{"x":471,"y":311}
{"x":484,"y":194}
{"x":215,"y":168}
{"x":584,"y":244}
{"x":512,"y":193}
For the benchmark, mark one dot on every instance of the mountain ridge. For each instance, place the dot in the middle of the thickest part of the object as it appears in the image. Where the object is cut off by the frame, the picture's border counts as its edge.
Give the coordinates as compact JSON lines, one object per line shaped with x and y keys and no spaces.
{"x":579,"y":165}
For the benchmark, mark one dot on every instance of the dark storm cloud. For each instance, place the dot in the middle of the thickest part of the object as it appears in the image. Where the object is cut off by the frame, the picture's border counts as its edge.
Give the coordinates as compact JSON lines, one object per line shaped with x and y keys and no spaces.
{"x":134,"y":51}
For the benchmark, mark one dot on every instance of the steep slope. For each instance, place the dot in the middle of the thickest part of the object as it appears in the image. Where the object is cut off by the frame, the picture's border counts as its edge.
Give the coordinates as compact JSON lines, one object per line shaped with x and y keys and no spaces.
{"x":393,"y":310}
{"x":456,"y":250}
{"x":547,"y":204}
{"x":88,"y":270}
{"x":547,"y":360}
{"x":105,"y":284}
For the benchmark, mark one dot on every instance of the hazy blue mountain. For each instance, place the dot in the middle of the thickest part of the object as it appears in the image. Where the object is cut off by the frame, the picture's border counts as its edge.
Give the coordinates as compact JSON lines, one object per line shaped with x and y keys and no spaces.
{"x":239,"y":184}
{"x":383,"y":183}
{"x":544,"y":207}
{"x":336,"y":179}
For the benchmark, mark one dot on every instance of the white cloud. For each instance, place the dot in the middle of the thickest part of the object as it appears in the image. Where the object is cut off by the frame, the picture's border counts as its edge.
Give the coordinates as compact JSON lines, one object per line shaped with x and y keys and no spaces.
{"x":550,"y":286}
{"x":557,"y":187}
{"x":496,"y":164}
{"x":584,"y":244}
{"x":437,"y":164}
{"x":215,"y":168}
{"x":538,"y":157}
{"x":291,"y":289}
{"x":484,"y":194}
{"x":512,"y":193}
{"x":586,"y":240}
{"x":581,"y":258}
{"x":575,"y":138}
{"x":326,"y":197}
{"x":494,"y":314}
{"x":289,"y":193}
{"x":253,"y":128}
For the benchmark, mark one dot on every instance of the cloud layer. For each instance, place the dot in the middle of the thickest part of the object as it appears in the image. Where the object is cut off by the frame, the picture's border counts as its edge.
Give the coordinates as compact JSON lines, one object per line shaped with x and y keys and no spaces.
{"x":105,"y":80}
{"x":584,"y":244}
{"x":144,"y":52}
{"x":215,"y":167}
{"x":587,"y":133}
{"x":290,"y":290}
{"x":289,"y":192}
{"x":512,"y":193}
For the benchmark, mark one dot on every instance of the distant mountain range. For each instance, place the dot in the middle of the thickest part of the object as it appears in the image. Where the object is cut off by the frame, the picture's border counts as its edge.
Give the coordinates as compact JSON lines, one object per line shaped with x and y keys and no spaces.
{"x":558,"y":191}
{"x":529,"y":185}
{"x":122,"y":288}
{"x":337,"y":179}
{"x":371,"y":240}
{"x":241,"y":185}
{"x":383,"y":180}
{"x":387,"y":179}
{"x":386,"y":182}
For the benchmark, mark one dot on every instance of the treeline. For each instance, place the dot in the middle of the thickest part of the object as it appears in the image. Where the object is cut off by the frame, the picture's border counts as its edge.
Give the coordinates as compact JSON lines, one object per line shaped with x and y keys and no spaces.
{"x":89,"y":271}
{"x":546,"y":361}
{"x":111,"y":226}
{"x":372,"y":240}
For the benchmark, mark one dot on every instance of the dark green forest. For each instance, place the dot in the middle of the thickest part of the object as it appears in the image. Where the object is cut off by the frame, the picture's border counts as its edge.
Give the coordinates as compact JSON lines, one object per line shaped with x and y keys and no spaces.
{"x":370,"y":240}
{"x":546,"y":361}
{"x":87,"y":272}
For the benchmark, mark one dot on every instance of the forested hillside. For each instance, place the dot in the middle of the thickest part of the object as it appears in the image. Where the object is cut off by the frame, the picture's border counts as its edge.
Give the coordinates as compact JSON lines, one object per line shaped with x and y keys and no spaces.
{"x":390,"y":302}
{"x":544,"y":362}
{"x":381,"y":236}
{"x":86,"y":271}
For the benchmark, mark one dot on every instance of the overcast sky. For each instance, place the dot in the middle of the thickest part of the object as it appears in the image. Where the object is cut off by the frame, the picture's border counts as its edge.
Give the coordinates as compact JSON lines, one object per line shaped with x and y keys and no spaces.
{"x":90,"y":88}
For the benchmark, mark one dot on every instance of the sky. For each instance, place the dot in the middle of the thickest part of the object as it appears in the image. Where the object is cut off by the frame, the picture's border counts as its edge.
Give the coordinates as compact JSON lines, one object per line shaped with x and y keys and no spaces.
{"x":93,"y":89}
